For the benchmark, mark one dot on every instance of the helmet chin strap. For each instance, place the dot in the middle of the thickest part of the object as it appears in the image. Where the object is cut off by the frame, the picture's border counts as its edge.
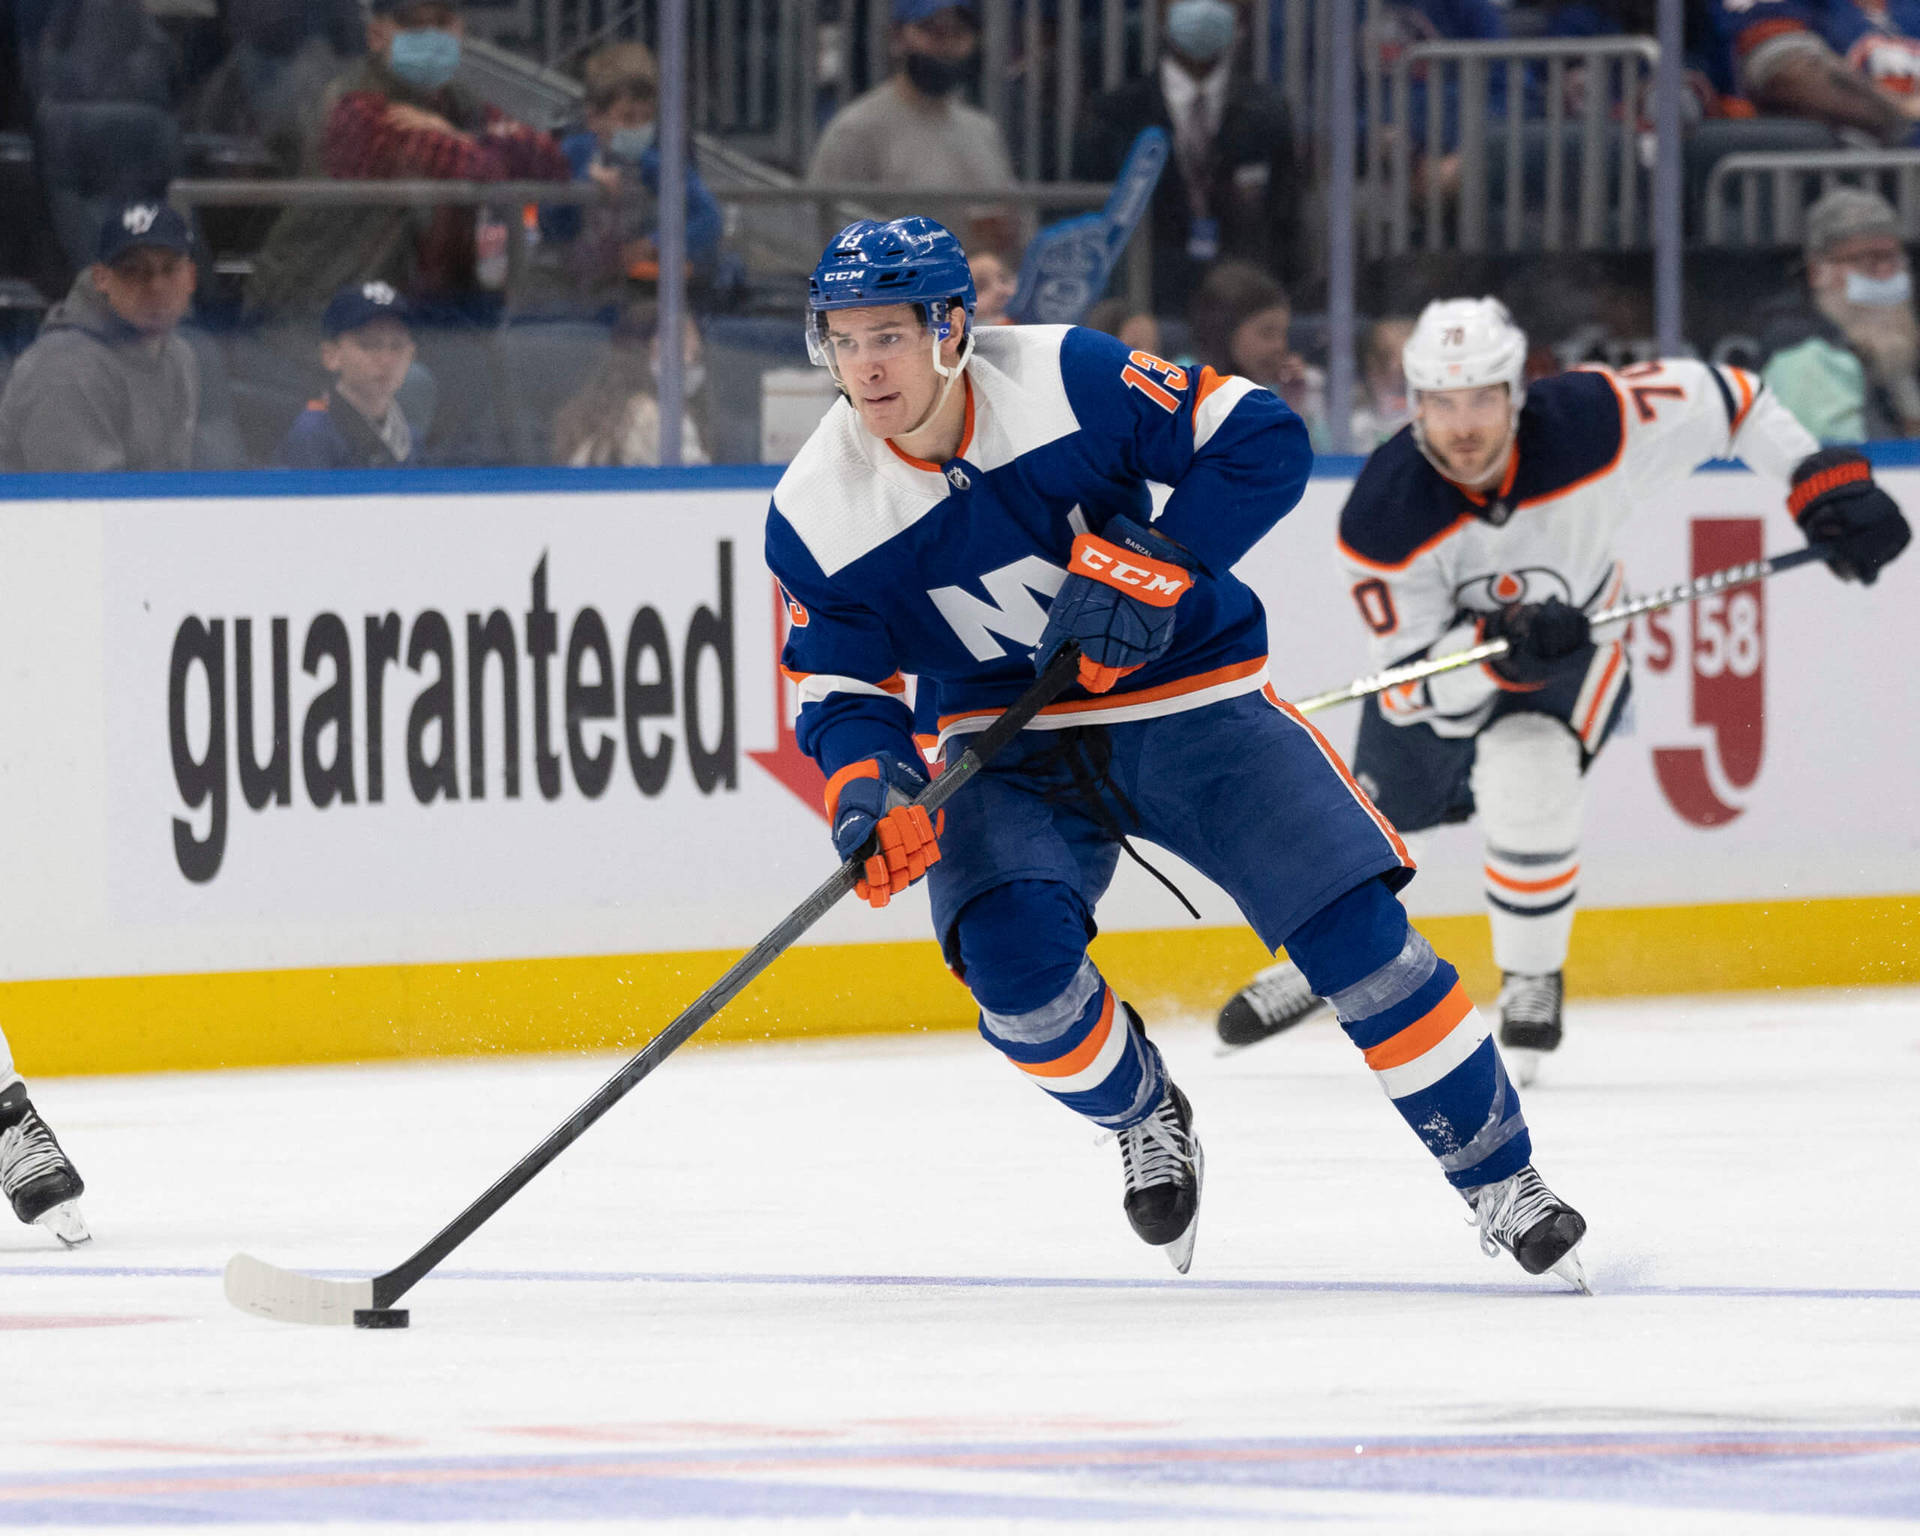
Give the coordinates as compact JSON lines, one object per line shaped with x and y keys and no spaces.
{"x":948,"y":376}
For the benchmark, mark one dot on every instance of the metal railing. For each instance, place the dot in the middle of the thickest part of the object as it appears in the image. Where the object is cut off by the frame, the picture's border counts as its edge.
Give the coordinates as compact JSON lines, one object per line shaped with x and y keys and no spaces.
{"x":1568,"y":122}
{"x":787,"y":247}
{"x":768,"y":73}
{"x":1761,"y":198}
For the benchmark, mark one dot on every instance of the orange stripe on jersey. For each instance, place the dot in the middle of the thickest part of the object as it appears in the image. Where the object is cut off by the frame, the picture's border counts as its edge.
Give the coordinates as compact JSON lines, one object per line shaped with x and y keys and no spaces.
{"x":966,"y":438}
{"x":1605,"y":469}
{"x":1531,"y":887}
{"x":1600,"y":694}
{"x":1173,"y":690}
{"x":1353,"y":784}
{"x":1082,"y":1055}
{"x":1209,"y":382}
{"x":1423,"y":1034}
{"x":1748,"y":394}
{"x":894,"y":684}
{"x":1400,"y":565}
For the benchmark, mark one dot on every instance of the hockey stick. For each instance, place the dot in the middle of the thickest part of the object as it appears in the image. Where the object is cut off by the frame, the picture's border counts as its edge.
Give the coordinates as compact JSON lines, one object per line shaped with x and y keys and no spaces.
{"x":290,"y":1296}
{"x":1666,"y":597}
{"x":1249,"y":1027}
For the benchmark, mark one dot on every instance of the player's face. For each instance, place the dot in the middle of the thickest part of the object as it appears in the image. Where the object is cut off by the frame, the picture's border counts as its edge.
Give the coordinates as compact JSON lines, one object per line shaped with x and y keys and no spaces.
{"x":1466,"y":429}
{"x":883,"y":359}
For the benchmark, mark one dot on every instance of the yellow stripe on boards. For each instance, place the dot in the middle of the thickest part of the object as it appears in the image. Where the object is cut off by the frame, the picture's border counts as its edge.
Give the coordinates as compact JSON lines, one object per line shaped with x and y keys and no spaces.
{"x":373,"y":1013}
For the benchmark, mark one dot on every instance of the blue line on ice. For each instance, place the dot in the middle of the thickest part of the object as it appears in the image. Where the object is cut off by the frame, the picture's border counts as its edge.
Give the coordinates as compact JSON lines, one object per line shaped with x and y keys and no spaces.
{"x":1016,"y":1282}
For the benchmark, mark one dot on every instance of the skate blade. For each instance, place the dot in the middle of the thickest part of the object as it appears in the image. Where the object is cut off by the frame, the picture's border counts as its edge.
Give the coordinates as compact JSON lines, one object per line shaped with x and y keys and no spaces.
{"x":1179,"y":1252}
{"x":1571,"y":1270}
{"x":1523,"y":1065}
{"x":65,"y":1222}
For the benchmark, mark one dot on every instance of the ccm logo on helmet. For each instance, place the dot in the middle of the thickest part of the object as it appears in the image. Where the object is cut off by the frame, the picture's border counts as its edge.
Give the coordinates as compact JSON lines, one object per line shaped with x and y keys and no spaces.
{"x":1148,"y":580}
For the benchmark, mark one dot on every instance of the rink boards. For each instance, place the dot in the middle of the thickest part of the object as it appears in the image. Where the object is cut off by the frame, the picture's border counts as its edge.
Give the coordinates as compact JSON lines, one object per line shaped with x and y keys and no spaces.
{"x":305,"y":768}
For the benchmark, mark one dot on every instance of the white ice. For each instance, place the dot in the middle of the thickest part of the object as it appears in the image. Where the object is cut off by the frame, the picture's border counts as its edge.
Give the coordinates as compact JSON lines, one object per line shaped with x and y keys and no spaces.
{"x":806,"y":1287}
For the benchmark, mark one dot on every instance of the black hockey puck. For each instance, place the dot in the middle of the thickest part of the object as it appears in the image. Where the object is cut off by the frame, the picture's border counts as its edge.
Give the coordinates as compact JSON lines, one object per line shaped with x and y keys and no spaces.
{"x":379,"y":1317}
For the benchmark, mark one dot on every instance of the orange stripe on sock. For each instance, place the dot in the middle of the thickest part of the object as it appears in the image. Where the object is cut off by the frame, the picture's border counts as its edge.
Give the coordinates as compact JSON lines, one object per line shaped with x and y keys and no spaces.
{"x":1082,"y":1055}
{"x":1423,"y":1034}
{"x":1531,"y":887}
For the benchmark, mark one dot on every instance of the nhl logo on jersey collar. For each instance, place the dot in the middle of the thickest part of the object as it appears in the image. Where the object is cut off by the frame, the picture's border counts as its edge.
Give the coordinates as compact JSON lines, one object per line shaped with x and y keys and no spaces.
{"x":957,"y":476}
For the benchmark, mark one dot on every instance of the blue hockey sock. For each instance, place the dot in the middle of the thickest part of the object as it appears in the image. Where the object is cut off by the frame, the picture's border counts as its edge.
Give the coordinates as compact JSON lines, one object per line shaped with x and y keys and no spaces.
{"x":1081,"y":1047}
{"x":1428,"y":1046}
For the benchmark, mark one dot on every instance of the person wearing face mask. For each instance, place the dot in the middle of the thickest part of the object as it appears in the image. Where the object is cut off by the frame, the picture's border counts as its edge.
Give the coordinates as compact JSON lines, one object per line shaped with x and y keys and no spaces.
{"x":914,"y":128}
{"x":618,"y":150}
{"x":615,"y":418}
{"x":1231,"y":188}
{"x":398,"y":114}
{"x":1844,"y":357}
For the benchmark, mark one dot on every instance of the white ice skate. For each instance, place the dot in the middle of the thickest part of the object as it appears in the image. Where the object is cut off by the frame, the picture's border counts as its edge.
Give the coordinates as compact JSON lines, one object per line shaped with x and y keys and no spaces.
{"x":1164,"y":1169}
{"x":35,"y":1174}
{"x":1532,"y":1223}
{"x":1529,"y":1022}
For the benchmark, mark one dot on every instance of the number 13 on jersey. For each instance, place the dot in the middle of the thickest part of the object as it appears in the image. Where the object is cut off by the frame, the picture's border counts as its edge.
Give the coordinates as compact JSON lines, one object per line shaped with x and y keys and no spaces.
{"x":1163,"y":391}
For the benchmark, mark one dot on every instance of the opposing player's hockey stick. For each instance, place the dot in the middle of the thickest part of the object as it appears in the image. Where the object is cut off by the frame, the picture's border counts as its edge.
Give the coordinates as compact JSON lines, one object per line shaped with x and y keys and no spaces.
{"x":1666,"y":597}
{"x":290,"y":1296}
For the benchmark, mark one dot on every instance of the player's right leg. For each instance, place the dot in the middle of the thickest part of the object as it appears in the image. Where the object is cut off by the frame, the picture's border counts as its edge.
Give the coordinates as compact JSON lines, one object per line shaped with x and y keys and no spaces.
{"x":1012,"y":899}
{"x":36,"y":1175}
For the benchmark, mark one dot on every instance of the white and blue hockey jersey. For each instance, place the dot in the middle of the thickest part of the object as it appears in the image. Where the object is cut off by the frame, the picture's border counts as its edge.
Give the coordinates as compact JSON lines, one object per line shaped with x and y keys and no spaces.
{"x":894,"y":566}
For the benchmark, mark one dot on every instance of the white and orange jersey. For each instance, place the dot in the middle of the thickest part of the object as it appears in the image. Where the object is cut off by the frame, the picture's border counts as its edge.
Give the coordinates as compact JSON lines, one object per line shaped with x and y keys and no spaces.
{"x":1425,"y":557}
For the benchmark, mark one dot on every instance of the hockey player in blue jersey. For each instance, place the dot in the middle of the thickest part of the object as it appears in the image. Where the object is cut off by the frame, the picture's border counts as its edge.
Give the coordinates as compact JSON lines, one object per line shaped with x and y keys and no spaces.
{"x":973,"y":503}
{"x":1494,"y":513}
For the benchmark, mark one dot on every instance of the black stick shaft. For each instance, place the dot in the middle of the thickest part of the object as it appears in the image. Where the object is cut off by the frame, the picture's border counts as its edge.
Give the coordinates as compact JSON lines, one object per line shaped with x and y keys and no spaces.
{"x":396,"y":1282}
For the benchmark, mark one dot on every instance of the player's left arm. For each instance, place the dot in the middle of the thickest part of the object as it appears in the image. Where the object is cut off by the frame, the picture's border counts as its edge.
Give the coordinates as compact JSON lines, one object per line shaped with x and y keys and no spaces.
{"x":1237,"y":459}
{"x":1680,"y":413}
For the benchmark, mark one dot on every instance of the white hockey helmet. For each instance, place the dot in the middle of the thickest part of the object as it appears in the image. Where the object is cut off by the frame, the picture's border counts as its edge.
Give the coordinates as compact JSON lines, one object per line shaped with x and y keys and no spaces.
{"x":1465,"y":344}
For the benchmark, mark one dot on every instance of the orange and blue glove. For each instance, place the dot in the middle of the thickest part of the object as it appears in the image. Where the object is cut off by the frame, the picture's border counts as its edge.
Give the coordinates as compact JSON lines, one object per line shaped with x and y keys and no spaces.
{"x":1117,"y":601}
{"x":872,"y":799}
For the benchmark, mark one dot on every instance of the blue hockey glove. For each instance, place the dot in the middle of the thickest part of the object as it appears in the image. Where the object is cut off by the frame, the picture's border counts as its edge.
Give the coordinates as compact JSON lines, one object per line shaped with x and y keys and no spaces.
{"x":1836,"y":503}
{"x":871,"y":799}
{"x":1117,"y":602}
{"x":1540,"y":637}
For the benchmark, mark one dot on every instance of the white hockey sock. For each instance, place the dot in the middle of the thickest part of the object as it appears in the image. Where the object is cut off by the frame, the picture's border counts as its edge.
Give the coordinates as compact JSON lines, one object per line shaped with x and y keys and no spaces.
{"x":1530,"y":797}
{"x":8,"y":1077}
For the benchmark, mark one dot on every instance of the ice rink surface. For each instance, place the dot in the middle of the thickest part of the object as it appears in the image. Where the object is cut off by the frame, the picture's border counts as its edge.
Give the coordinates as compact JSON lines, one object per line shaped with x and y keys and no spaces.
{"x":887,"y":1286}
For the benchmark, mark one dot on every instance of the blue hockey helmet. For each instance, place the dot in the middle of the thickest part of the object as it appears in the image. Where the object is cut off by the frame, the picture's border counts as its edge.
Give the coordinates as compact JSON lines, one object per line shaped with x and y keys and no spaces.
{"x":900,"y":261}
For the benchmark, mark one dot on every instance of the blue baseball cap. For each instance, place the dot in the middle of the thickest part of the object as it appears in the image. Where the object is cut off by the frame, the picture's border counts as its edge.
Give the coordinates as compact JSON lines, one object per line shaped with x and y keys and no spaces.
{"x":362,"y":304}
{"x":138,"y":224}
{"x":908,"y":11}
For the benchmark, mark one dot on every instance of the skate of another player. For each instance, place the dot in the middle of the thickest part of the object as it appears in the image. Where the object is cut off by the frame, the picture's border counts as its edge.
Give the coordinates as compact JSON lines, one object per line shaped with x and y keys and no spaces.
{"x":767,"y":1363}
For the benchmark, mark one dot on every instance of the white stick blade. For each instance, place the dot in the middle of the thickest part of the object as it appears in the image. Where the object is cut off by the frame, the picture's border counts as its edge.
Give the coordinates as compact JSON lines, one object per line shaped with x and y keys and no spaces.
{"x":287,"y":1296}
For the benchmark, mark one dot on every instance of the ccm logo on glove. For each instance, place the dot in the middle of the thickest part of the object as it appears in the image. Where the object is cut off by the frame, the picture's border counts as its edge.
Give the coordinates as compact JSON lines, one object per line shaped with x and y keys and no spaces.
{"x":1151,"y":581}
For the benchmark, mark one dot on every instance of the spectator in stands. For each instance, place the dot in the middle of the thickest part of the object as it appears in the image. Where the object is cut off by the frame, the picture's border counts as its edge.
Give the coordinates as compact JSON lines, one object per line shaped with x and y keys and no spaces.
{"x":1138,"y":328}
{"x":1382,"y":409}
{"x":995,"y":279}
{"x":108,"y":384}
{"x":1843,"y":358}
{"x":615,"y":418}
{"x":1231,"y":188}
{"x":104,"y":50}
{"x":618,"y":150}
{"x":358,"y":423}
{"x":1844,"y":64}
{"x":272,"y":85}
{"x":398,"y":114}
{"x":1393,"y":28}
{"x":913,"y":130}
{"x":1242,"y":323}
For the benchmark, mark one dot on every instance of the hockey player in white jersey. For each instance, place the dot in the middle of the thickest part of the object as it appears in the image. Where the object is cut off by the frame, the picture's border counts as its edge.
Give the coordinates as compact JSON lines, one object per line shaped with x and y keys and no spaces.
{"x":1494,"y":514}
{"x":35,"y":1174}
